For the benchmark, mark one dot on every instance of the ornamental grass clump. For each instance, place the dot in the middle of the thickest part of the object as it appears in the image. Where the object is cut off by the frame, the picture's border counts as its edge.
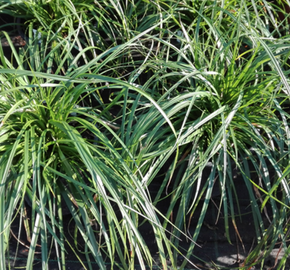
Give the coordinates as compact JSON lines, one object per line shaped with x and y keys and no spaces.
{"x":57,"y":153}
{"x":221,"y":88}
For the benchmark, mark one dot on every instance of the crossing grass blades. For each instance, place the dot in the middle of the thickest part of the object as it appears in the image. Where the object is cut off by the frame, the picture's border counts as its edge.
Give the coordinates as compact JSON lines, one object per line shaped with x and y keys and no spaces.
{"x":216,"y":91}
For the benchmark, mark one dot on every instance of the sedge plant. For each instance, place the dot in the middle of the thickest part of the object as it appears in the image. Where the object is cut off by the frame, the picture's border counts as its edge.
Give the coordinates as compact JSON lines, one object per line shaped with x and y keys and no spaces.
{"x":56,"y":153}
{"x":223,"y":88}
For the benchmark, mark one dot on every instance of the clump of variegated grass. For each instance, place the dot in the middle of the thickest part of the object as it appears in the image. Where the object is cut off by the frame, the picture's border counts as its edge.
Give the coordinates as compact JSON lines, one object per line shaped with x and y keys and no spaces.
{"x":55,"y":152}
{"x":221,"y":89}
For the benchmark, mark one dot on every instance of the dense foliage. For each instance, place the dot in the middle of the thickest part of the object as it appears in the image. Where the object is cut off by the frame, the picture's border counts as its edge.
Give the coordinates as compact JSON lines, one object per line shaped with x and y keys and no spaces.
{"x":109,"y":101}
